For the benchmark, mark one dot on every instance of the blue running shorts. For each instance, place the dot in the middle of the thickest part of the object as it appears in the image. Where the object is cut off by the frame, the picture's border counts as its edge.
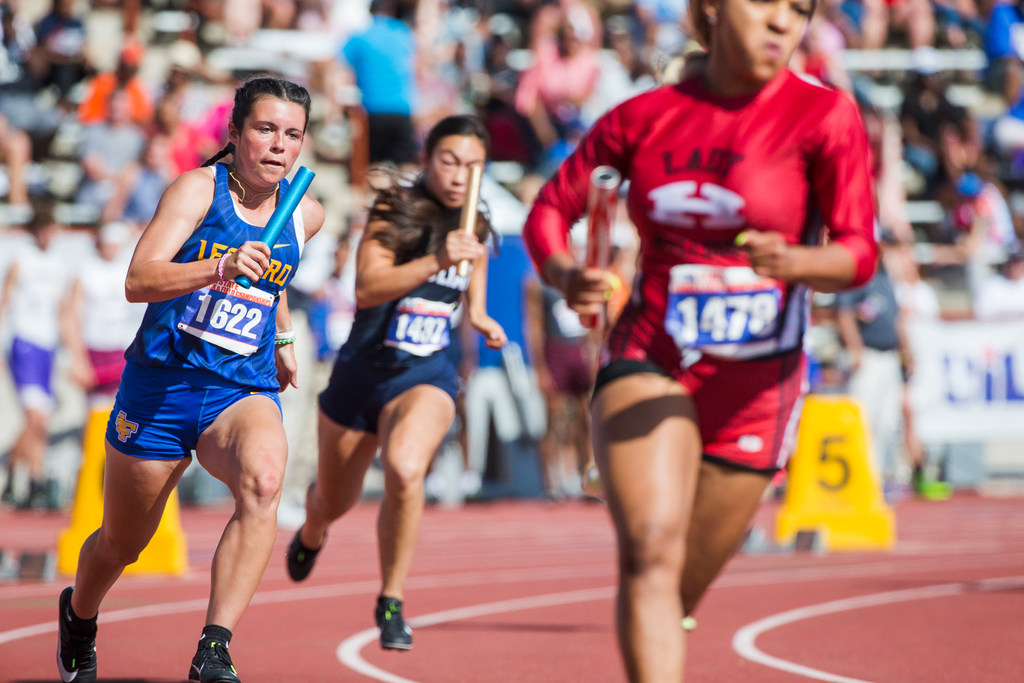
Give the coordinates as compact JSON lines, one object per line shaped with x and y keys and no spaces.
{"x":159,"y":413}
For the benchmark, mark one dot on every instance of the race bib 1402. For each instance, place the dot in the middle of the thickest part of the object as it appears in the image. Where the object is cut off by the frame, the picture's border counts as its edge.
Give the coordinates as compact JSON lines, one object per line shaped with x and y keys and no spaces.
{"x":724,"y":311}
{"x":228,"y":316}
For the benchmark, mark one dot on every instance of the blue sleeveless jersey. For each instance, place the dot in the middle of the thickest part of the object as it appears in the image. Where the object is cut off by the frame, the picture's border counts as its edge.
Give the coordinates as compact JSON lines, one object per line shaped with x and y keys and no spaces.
{"x":410,"y":330}
{"x":233,"y":338}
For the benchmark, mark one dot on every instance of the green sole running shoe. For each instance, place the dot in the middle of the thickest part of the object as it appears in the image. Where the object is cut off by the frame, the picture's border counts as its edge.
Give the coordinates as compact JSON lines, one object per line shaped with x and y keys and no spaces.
{"x":300,"y":558}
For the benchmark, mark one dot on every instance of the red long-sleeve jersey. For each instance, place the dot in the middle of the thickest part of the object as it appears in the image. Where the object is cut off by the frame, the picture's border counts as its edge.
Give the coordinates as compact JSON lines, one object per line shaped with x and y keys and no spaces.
{"x":792,"y":158}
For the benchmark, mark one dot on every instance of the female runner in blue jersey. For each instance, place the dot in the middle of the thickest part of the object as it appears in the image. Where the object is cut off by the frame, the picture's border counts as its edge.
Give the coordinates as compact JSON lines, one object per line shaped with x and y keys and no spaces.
{"x":204,"y":372}
{"x":393,"y":385}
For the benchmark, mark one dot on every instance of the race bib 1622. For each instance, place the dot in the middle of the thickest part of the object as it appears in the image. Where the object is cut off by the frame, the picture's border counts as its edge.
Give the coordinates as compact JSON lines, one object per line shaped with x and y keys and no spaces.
{"x":228,"y":316}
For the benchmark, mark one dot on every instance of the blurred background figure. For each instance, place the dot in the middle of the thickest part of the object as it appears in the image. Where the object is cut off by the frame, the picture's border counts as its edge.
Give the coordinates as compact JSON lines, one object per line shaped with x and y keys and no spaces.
{"x":109,"y":151}
{"x":333,"y":308}
{"x":564,"y":354}
{"x":925,"y":114}
{"x":30,"y":308}
{"x":984,"y":227}
{"x":505,"y":412}
{"x":1001,"y":294}
{"x":661,"y":23}
{"x":125,"y":76}
{"x":820,"y":54}
{"x":60,"y":58}
{"x":1004,"y":74}
{"x":914,"y":18}
{"x":15,"y":155}
{"x":872,"y":329}
{"x":135,"y":198}
{"x":918,"y":301}
{"x":624,"y":70}
{"x":381,"y":62}
{"x":99,"y":322}
{"x":23,"y":109}
{"x":553,"y":90}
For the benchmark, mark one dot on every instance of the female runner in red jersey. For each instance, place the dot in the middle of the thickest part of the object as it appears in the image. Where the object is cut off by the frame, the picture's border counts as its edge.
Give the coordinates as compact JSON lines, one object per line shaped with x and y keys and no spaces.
{"x":737,"y":175}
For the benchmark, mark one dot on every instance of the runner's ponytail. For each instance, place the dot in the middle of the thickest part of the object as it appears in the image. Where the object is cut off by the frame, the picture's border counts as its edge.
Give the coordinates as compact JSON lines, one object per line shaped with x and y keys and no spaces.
{"x":228,"y":149}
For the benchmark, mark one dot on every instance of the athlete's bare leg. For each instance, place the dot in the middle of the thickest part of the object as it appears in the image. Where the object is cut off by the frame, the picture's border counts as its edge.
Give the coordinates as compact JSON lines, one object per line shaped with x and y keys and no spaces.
{"x":648,"y":449}
{"x":345,"y":455}
{"x":584,"y":449}
{"x":553,"y":442}
{"x":29,"y":448}
{"x":135,"y":492}
{"x":413,"y":426}
{"x":245,"y":448}
{"x":725,"y":502}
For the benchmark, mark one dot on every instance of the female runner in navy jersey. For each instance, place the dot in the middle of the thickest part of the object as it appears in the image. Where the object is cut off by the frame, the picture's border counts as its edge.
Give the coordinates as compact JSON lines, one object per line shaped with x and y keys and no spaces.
{"x":203,"y":373}
{"x":393,"y":385}
{"x":736,"y":175}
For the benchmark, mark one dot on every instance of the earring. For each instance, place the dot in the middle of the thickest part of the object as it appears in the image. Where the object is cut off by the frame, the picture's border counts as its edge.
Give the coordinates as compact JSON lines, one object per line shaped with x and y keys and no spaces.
{"x":712,"y":19}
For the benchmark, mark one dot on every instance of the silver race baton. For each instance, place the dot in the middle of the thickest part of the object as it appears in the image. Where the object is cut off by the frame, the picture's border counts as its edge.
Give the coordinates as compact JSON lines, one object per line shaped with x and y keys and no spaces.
{"x":604,"y":194}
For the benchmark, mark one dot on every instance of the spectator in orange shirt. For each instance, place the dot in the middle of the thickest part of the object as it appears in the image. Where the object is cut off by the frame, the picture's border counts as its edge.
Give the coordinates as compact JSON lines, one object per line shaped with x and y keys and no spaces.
{"x":93,"y":108}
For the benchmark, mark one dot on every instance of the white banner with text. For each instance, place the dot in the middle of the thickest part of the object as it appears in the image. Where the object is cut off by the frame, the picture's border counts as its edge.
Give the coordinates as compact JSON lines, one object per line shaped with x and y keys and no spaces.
{"x":968,"y":380}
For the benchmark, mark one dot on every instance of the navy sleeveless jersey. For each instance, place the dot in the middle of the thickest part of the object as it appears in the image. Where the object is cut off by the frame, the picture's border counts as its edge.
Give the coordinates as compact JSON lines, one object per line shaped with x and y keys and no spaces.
{"x":178,"y":332}
{"x":410,"y":330}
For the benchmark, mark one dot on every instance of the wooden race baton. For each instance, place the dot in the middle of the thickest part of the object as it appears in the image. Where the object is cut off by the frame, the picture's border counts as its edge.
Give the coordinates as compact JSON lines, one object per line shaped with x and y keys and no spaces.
{"x":467,"y":221}
{"x":604,"y":194}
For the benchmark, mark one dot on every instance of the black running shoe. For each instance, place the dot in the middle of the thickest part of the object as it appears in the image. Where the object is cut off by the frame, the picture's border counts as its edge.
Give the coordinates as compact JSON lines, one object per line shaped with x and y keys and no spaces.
{"x":76,"y":654}
{"x":212,"y":664}
{"x":395,"y":634}
{"x":300,"y":558}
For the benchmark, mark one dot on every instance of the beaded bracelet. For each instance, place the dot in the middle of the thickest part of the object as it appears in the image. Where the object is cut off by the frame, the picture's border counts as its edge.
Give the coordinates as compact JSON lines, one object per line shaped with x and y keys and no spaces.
{"x":220,"y":269}
{"x":282,"y":342}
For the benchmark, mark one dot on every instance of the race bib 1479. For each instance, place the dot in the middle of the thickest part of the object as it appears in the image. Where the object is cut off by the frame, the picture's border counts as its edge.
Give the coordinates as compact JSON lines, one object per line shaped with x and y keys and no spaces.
{"x":721,"y":310}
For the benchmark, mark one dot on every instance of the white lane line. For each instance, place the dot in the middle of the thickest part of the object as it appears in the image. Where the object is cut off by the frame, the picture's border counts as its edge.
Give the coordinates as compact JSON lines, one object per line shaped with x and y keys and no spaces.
{"x":369,"y":587}
{"x":108,"y":617}
{"x":737,"y":579}
{"x":753,"y":578}
{"x":349,"y":649}
{"x":743,"y":642}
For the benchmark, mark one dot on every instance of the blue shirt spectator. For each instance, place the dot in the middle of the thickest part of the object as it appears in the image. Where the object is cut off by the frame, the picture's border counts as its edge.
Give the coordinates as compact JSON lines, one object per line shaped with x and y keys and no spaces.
{"x":381,"y":57}
{"x":1004,"y":35}
{"x":382,"y":60}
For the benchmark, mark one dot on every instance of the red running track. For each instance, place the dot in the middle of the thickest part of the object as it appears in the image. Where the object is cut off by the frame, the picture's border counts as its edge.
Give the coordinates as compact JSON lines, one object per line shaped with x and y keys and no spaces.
{"x":524,"y":592}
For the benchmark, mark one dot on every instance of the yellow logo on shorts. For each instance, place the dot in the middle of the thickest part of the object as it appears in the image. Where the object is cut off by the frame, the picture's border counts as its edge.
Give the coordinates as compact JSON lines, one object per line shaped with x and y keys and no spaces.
{"x":125,"y":427}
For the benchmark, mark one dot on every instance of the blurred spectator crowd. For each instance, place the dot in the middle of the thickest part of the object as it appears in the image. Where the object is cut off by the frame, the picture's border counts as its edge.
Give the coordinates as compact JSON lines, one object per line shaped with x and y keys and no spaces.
{"x":102,"y":103}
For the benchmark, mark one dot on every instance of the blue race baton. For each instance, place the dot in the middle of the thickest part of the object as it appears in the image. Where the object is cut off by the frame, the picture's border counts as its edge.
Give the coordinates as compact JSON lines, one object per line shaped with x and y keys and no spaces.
{"x":283,"y":211}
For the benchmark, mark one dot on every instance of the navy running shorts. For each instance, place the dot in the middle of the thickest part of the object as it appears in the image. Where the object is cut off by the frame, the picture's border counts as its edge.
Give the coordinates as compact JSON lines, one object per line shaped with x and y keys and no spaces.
{"x":358,"y":390}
